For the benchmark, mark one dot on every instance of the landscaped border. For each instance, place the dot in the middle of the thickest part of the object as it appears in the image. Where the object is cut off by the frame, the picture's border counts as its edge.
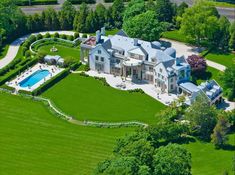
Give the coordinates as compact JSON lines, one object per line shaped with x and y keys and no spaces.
{"x":51,"y":106}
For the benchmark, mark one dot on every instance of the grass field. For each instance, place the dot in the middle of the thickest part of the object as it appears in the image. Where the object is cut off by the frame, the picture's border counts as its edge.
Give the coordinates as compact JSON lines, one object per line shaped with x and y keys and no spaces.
{"x":206,"y":160}
{"x":221,"y":58}
{"x":3,"y":51}
{"x":34,"y":142}
{"x":175,"y":35}
{"x":88,"y":99}
{"x":63,"y":51}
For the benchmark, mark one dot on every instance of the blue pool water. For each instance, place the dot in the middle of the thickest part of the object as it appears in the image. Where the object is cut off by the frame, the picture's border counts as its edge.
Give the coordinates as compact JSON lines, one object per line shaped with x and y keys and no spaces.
{"x":34,"y":78}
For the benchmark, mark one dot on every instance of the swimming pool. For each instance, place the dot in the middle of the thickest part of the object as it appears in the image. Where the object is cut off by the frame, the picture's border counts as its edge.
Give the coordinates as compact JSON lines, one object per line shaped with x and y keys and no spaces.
{"x":34,"y":78}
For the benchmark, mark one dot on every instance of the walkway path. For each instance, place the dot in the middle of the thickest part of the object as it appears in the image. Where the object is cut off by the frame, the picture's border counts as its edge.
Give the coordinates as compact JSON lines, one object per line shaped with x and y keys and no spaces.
{"x":15,"y":45}
{"x":186,"y":50}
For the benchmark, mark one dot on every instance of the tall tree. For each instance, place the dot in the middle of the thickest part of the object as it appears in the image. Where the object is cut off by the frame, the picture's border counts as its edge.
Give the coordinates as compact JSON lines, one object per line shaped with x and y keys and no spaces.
{"x":199,"y":22}
{"x":101,"y":14}
{"x":219,"y":136}
{"x":117,"y":10}
{"x":144,"y":26}
{"x":12,"y":18}
{"x":91,"y":24}
{"x":228,"y":79}
{"x":202,"y":117}
{"x":80,"y":18}
{"x":219,"y":37}
{"x":134,"y":8}
{"x":172,"y":159}
{"x":51,"y":21}
{"x":164,"y":10}
{"x":66,"y":16}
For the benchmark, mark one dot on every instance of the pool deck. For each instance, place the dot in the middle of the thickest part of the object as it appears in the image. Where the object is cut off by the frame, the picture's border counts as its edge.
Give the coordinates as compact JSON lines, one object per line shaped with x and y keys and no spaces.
{"x":16,"y":82}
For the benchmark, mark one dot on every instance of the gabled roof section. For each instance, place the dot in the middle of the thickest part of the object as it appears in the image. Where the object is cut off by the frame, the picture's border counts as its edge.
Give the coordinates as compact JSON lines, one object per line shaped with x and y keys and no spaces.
{"x":138,"y":50}
{"x":122,"y":33}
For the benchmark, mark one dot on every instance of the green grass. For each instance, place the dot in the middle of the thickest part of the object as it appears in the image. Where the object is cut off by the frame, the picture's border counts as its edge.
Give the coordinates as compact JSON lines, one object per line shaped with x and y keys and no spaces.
{"x":207,"y":160}
{"x":230,"y":4}
{"x":63,"y":51}
{"x":34,"y":142}
{"x":210,"y":74}
{"x":221,"y":58}
{"x":3,"y":51}
{"x":175,"y":35}
{"x":88,"y":99}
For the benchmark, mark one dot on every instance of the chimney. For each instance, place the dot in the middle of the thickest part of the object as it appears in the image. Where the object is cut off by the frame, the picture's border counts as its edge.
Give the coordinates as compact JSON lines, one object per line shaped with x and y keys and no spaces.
{"x":98,"y":36}
{"x":177,"y":61}
{"x":135,"y":42}
{"x":103,"y":31}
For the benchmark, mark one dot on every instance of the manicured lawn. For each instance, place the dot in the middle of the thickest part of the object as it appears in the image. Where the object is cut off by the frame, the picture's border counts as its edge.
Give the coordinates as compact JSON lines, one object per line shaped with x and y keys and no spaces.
{"x":88,"y":99}
{"x":175,"y":35}
{"x":207,"y":160}
{"x":63,"y":51}
{"x":3,"y":51}
{"x":34,"y":142}
{"x":218,"y":3}
{"x":221,"y":58}
{"x":210,"y":74}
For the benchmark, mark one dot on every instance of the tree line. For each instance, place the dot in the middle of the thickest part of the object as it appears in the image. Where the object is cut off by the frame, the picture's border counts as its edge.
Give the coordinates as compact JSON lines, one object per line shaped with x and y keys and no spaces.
{"x":157,"y":150}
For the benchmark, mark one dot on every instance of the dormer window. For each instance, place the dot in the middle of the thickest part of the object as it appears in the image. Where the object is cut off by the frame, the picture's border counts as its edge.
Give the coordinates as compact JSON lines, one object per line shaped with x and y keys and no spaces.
{"x":160,"y":70}
{"x":99,"y":51}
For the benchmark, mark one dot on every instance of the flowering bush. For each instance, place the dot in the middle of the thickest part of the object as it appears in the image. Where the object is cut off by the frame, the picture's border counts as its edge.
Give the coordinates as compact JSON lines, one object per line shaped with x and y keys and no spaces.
{"x":197,"y":63}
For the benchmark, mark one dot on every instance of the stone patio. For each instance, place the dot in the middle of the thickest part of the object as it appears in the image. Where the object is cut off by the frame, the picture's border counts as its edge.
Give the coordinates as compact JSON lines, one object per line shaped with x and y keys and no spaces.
{"x":119,"y":83}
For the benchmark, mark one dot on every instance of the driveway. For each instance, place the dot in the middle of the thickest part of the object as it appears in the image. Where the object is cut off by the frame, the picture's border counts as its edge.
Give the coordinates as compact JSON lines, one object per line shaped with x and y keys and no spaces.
{"x":186,"y":50}
{"x":15,"y":45}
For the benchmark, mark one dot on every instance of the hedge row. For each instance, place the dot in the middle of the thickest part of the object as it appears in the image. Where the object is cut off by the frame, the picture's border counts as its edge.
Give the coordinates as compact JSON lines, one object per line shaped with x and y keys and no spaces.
{"x":48,"y":42}
{"x":15,"y":72}
{"x":51,"y":82}
{"x":36,"y":2}
{"x":82,"y":1}
{"x":75,"y":66}
{"x":10,"y":66}
{"x":8,"y":88}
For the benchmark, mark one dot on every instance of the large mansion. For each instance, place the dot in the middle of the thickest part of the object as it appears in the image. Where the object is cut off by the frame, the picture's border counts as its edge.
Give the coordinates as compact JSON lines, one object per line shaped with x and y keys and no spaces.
{"x":138,"y":61}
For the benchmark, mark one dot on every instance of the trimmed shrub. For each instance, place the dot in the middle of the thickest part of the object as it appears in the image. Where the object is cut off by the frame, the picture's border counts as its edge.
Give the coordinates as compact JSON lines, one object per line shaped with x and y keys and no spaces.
{"x":27,"y":54}
{"x":87,"y":68}
{"x":75,"y":66}
{"x":63,"y":36}
{"x":25,"y":92}
{"x":51,"y":82}
{"x":83,"y":74}
{"x":69,"y":61}
{"x":103,"y":80}
{"x":24,"y":49}
{"x":8,"y":88}
{"x":136,"y":91}
{"x":39,"y":36}
{"x":70,"y":37}
{"x":47,"y":35}
{"x":56,"y":35}
{"x":31,"y":39}
{"x":76,"y":35}
{"x":84,"y":35}
{"x":26,"y":44}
